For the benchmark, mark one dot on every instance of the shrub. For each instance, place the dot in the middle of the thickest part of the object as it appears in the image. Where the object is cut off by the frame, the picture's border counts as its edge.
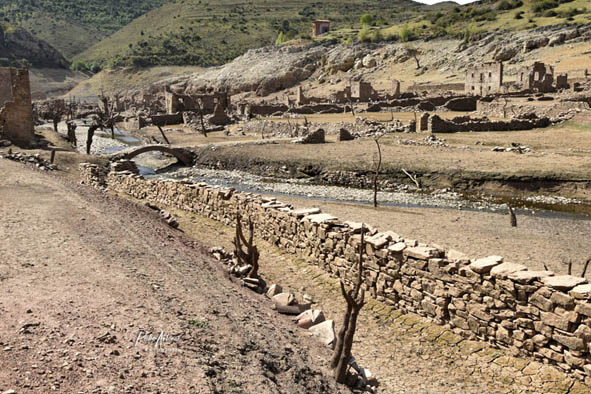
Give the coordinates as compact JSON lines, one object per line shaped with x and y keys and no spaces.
{"x":364,"y":34}
{"x":366,"y":20}
{"x":405,"y":33}
{"x":518,"y":15}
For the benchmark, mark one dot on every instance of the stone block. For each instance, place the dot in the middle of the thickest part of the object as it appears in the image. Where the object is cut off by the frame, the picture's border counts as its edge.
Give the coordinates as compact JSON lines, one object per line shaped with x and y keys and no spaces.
{"x":422,"y":252}
{"x":529,"y":276}
{"x":485,"y":265}
{"x":563,"y":282}
{"x":503,"y":270}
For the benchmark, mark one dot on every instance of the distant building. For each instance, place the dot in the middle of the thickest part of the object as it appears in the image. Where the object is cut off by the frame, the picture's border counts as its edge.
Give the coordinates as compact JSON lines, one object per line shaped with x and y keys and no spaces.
{"x":538,"y":77}
{"x":16,"y":109}
{"x":320,"y":27}
{"x":485,"y":79}
{"x":363,"y":92}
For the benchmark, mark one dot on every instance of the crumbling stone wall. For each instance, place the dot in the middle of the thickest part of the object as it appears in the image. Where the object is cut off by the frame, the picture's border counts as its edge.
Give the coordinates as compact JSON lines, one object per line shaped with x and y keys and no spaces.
{"x":438,"y":125}
{"x":16,"y":109}
{"x":539,"y":77}
{"x":484,"y":80}
{"x":533,"y":313}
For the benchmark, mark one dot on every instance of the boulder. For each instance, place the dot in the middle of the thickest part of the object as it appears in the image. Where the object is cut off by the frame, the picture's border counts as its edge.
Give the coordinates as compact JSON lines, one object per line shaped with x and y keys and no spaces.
{"x":325,"y":332}
{"x":309,"y":318}
{"x":344,"y":135}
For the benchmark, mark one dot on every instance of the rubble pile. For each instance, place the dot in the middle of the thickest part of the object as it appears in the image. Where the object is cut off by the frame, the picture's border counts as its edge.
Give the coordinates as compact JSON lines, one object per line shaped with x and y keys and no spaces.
{"x":431,"y":140}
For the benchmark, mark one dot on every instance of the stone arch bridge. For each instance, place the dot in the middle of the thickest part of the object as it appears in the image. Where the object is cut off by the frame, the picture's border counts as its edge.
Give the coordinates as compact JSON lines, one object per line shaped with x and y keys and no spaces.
{"x":184,"y":155}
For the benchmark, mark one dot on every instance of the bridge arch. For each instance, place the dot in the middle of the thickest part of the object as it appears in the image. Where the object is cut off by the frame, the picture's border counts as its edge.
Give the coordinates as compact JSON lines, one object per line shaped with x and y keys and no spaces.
{"x":183,"y":155}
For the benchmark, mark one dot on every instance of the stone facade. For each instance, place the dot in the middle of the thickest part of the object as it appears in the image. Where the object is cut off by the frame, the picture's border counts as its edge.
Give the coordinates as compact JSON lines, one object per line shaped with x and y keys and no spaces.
{"x":538,"y":77}
{"x":363,"y":91}
{"x":533,"y":313}
{"x":484,"y":80}
{"x":188,"y":102}
{"x":320,"y":27}
{"x":16,"y":109}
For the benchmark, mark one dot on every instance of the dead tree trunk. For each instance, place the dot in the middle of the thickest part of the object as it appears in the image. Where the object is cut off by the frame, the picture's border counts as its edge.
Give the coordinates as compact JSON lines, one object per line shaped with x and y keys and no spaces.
{"x":251,"y":256}
{"x":163,"y":135}
{"x":355,"y":299}
{"x":90,"y":136}
{"x":377,"y":173}
{"x":200,"y":110}
{"x":512,"y":217}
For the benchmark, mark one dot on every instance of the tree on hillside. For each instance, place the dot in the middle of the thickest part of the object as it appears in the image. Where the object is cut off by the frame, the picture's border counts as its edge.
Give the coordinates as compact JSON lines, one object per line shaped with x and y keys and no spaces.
{"x":414,"y":52}
{"x":366,"y":20}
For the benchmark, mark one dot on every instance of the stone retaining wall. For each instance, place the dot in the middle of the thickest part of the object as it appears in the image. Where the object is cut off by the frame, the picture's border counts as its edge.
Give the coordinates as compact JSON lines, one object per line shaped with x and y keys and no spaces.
{"x":532,"y":313}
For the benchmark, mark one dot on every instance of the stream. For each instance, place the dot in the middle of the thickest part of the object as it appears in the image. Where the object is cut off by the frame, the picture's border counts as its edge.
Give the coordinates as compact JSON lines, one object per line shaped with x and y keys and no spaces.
{"x":402,"y":196}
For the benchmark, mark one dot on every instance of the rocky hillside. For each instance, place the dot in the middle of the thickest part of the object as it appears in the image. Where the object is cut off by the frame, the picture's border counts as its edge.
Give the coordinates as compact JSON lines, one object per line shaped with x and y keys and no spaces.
{"x":21,"y":49}
{"x":327,"y":66}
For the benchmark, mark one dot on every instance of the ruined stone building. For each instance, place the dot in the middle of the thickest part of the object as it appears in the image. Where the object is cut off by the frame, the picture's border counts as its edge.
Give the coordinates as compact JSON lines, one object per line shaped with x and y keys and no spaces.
{"x":176,"y":102}
{"x":320,"y":27}
{"x":538,"y":77}
{"x":16,"y":109}
{"x":363,"y":91}
{"x":485,"y":79}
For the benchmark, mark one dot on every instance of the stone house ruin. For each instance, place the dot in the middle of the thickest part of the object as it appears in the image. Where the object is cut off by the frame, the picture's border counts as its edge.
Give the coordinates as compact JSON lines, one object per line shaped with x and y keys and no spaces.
{"x":485,"y":79}
{"x":320,"y":27}
{"x":16,"y":109}
{"x":540,"y":77}
{"x":363,"y":91}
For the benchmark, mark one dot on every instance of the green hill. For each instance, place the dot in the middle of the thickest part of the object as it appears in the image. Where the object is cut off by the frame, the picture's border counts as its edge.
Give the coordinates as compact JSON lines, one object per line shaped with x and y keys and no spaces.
{"x":206,"y":33}
{"x":71,"y":26}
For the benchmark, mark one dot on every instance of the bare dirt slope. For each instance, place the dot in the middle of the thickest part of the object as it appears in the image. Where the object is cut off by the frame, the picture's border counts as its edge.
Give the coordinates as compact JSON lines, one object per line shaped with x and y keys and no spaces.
{"x":82,"y":273}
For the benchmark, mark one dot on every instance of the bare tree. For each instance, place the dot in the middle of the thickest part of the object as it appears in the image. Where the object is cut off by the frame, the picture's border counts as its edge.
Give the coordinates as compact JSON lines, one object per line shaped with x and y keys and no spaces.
{"x":414,"y":53}
{"x":200,"y":110}
{"x":512,"y":217}
{"x":377,"y":167}
{"x":251,"y":255}
{"x":355,"y":299}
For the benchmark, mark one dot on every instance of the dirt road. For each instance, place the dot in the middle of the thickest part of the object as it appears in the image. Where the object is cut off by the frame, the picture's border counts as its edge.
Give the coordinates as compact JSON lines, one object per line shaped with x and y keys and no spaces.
{"x":88,"y":282}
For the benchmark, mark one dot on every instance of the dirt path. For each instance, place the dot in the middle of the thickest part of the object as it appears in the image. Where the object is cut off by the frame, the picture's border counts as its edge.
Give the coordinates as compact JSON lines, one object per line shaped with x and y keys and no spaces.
{"x":83,"y":275}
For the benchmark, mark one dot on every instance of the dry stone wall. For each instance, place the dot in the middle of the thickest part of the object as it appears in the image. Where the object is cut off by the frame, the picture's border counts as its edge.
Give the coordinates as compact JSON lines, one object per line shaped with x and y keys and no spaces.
{"x":532,"y":313}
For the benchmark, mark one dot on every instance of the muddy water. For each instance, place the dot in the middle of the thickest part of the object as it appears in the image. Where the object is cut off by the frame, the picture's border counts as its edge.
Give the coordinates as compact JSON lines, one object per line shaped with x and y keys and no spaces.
{"x":401,"y":196}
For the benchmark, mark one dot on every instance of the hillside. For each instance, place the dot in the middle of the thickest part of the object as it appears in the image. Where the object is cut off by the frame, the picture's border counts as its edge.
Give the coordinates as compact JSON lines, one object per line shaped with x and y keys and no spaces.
{"x":205,"y":33}
{"x":18,"y":48}
{"x":71,"y":26}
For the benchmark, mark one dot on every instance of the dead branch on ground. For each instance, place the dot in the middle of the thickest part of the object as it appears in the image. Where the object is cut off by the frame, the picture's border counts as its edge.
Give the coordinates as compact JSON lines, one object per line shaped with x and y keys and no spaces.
{"x":412,"y":178}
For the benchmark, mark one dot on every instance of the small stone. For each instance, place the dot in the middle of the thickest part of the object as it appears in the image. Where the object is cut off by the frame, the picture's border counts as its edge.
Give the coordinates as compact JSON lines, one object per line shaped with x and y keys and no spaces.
{"x":563,"y":282}
{"x":321,"y":218}
{"x":274,"y":290}
{"x":581,"y":292}
{"x":283,"y":299}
